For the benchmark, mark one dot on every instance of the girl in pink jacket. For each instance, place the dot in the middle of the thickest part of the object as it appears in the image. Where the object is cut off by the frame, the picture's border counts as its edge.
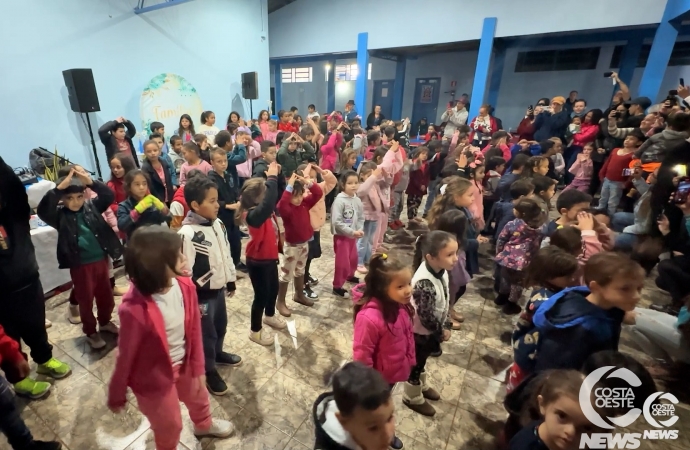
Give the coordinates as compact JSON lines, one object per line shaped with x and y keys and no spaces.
{"x":160,"y":354}
{"x":383,"y":319}
{"x":582,"y":169}
{"x":477,"y":171}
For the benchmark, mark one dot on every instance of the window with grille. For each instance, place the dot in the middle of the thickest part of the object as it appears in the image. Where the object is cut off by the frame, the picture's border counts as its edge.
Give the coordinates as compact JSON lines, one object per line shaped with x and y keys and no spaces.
{"x":557,"y":60}
{"x":297,"y":75}
{"x":680,"y":56}
{"x":349,"y":72}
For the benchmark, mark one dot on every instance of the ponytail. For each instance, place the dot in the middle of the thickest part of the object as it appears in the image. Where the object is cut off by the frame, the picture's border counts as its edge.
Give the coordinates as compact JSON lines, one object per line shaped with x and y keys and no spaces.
{"x":430,"y":244}
{"x":376,"y":284}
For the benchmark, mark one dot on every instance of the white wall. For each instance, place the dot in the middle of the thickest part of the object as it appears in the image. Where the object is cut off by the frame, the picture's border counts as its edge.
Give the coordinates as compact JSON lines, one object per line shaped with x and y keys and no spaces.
{"x":294,"y":27}
{"x":209,"y":42}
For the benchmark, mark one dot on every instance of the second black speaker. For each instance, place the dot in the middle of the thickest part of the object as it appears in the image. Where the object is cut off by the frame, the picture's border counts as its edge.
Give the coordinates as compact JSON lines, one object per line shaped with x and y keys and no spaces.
{"x":81,"y":89}
{"x":250,"y":89}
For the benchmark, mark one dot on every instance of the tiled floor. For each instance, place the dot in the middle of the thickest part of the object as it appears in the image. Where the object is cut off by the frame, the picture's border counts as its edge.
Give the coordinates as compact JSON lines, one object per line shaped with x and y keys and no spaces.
{"x":271,"y":394}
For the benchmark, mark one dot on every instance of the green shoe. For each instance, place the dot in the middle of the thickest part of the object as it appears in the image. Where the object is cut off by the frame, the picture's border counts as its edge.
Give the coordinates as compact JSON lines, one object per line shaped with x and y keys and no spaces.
{"x":32,"y":388}
{"x":54,"y":368}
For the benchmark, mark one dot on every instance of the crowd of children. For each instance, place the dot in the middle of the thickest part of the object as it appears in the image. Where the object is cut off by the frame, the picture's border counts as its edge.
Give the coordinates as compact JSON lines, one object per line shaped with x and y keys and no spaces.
{"x":179,"y":222}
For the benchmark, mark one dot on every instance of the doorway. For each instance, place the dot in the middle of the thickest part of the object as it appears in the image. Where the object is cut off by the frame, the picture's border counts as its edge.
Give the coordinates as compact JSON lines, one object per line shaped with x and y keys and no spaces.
{"x":426,"y":93}
{"x":383,"y":96}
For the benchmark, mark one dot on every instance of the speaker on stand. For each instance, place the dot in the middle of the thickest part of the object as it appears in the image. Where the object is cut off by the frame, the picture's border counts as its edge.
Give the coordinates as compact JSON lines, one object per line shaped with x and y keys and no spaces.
{"x":83,"y":98}
{"x":250,"y":89}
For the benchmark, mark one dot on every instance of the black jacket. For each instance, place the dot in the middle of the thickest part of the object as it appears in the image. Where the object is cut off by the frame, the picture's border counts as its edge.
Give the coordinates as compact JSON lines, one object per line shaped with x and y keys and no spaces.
{"x":228,"y":193}
{"x":528,"y":439}
{"x":323,"y":440}
{"x":260,"y":169}
{"x":109,"y":142}
{"x":18,"y":266}
{"x":157,"y":188}
{"x":65,"y":222}
{"x":127,"y":224}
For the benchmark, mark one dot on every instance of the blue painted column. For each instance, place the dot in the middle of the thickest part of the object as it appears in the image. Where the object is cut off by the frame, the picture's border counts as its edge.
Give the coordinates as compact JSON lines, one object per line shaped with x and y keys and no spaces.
{"x":362,"y":70}
{"x":496,"y":77}
{"x":330,"y":87}
{"x":278,"y":81}
{"x":629,"y":57}
{"x":660,"y":54}
{"x":481,"y":73}
{"x":399,"y":87}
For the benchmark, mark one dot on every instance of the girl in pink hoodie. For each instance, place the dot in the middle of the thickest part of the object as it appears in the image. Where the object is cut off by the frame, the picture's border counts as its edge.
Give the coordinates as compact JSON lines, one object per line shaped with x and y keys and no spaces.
{"x":160,"y":353}
{"x":476,"y":171}
{"x":582,"y":169}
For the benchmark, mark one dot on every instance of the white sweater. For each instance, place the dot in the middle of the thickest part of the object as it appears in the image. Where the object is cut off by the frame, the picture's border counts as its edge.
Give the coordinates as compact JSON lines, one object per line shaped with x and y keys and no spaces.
{"x":430,"y":301}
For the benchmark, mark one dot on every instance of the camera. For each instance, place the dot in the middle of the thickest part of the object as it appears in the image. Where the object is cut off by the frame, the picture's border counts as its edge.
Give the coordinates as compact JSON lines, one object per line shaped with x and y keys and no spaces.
{"x":672,"y":93}
{"x":608,"y":74}
{"x":617,"y":114}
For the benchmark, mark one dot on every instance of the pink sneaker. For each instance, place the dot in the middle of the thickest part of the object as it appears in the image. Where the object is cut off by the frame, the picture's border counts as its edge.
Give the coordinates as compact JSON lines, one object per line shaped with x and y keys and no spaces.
{"x":362,"y":269}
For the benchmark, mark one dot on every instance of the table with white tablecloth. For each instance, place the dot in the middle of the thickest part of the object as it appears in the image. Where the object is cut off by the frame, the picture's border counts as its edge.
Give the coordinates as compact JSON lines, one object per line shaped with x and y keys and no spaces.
{"x":45,"y":243}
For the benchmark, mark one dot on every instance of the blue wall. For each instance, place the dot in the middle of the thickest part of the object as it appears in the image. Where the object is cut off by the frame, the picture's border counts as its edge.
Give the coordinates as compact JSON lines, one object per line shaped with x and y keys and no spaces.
{"x":209,"y":42}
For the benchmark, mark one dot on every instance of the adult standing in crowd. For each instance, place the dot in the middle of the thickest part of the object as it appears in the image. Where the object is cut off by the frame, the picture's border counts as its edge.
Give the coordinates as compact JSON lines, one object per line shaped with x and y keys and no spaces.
{"x":116,"y":140}
{"x":483,"y":126}
{"x":636,"y":111}
{"x":578,"y":108}
{"x":350,"y":113}
{"x":525,"y":130}
{"x":375,"y":118}
{"x":552,"y":122}
{"x":570,"y":102}
{"x":454,"y":117}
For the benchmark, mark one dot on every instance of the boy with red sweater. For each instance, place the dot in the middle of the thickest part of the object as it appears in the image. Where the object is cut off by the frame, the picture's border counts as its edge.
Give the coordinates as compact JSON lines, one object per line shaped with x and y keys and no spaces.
{"x":294,"y":209}
{"x":286,"y":124}
{"x":16,"y":368}
{"x":616,"y":171}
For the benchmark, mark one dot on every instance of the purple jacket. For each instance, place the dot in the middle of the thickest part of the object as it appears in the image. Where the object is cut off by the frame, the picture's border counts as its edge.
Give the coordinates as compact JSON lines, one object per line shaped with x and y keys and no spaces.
{"x":516,"y":244}
{"x":388,"y":348}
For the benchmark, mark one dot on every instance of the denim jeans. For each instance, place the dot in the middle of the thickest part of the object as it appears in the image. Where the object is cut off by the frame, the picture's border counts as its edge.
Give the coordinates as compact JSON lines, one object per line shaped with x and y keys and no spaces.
{"x":625,"y":242}
{"x":611,"y":192}
{"x":620,"y":220}
{"x":11,"y":422}
{"x":365,"y":243}
{"x":656,"y":333}
{"x":431,"y":194}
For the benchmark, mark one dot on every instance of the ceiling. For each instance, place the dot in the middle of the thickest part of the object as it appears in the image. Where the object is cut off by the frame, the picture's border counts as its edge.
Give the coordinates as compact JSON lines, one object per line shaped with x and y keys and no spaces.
{"x":274,"y":5}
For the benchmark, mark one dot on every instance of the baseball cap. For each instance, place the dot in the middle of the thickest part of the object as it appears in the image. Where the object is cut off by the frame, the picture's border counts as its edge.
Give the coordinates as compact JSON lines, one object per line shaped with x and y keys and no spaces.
{"x":351,"y":102}
{"x":558,"y":99}
{"x":644,"y":102}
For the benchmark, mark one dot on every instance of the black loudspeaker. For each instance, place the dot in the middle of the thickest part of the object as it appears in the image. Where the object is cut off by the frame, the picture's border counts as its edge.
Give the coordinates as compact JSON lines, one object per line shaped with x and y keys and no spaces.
{"x":250,"y":90}
{"x":81,"y":88}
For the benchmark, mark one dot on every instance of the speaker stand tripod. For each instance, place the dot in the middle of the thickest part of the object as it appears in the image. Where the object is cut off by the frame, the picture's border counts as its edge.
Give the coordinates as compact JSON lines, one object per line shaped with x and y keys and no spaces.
{"x":93,"y":147}
{"x":251,"y":110}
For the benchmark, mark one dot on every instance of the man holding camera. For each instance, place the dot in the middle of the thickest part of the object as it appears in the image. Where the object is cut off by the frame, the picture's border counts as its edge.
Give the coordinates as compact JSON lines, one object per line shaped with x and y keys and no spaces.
{"x":552,"y":122}
{"x":454,"y":117}
{"x":636,"y":111}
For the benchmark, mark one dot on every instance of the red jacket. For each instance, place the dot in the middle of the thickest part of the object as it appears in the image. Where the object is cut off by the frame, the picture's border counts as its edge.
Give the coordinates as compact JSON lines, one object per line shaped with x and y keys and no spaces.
{"x":493,"y":127}
{"x":419,"y":179}
{"x":143,"y":361}
{"x":288,"y":127}
{"x":117,"y":185}
{"x":296,"y":219}
{"x":264,"y":239}
{"x":588,"y":133}
{"x":179,"y":197}
{"x":10,"y":356}
{"x":526,"y":129}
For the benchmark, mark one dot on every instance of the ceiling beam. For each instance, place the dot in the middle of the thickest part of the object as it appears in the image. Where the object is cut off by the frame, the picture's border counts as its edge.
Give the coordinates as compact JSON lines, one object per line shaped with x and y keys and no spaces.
{"x":166,"y":4}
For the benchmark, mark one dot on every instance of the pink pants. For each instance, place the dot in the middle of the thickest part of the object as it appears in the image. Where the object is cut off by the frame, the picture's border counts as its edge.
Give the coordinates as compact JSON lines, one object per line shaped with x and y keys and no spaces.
{"x":164,"y":412}
{"x":381,"y":228}
{"x":579,"y":184}
{"x":345,"y":249}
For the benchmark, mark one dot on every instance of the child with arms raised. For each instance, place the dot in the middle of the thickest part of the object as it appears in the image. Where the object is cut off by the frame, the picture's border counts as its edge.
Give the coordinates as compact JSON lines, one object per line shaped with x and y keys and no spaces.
{"x":435,"y":255}
{"x":383,"y":337}
{"x":391,"y":163}
{"x":317,"y":215}
{"x":579,"y":240}
{"x":347,"y":223}
{"x":418,"y":182}
{"x":582,"y":170}
{"x":140,"y":208}
{"x":85,"y":242}
{"x":369,"y":193}
{"x":205,"y":245}
{"x":257,"y":204}
{"x":160,"y":353}
{"x":294,"y":208}
{"x":518,"y":242}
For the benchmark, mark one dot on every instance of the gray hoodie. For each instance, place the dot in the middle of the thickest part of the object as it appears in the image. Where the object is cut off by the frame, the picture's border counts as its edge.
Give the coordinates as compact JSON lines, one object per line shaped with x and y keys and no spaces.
{"x":347,"y":215}
{"x":656,"y":147}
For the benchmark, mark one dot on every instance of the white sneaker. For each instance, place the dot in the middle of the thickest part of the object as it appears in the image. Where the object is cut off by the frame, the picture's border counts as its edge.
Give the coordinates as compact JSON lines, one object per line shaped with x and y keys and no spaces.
{"x":110,"y":327}
{"x":219,"y":428}
{"x":48,"y":324}
{"x":260,"y":339}
{"x":73,"y":314}
{"x":275,"y":322}
{"x":95,"y":341}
